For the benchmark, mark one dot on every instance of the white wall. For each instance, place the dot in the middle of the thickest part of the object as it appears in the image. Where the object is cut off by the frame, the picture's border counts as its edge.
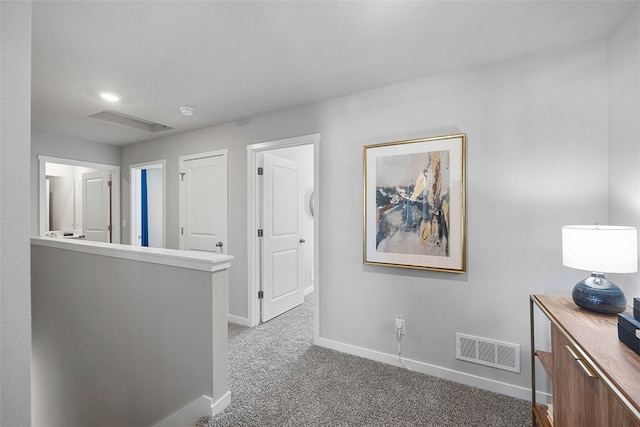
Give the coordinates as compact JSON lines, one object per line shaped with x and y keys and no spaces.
{"x":536,"y":150}
{"x":124,"y":336}
{"x":15,"y":296}
{"x":624,"y":134}
{"x":536,"y":130}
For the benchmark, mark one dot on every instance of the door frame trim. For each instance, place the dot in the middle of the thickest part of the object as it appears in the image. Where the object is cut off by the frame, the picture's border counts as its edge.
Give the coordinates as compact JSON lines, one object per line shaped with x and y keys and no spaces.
{"x":253,"y":221}
{"x":115,"y":177}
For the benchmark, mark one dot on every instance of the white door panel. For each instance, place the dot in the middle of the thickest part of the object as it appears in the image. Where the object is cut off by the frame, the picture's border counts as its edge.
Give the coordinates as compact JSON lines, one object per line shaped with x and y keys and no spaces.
{"x":203,"y":204}
{"x":285,"y":278}
{"x":96,"y":206}
{"x":282,"y":276}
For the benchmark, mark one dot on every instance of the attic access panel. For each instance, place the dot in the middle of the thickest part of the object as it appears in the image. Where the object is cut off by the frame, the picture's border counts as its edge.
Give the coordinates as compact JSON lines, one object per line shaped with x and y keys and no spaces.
{"x":130,"y":121}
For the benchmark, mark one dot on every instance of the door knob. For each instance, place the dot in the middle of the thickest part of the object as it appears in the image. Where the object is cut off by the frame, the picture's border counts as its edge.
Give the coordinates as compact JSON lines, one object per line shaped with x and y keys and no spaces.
{"x":219,"y":244}
{"x":302,"y":240}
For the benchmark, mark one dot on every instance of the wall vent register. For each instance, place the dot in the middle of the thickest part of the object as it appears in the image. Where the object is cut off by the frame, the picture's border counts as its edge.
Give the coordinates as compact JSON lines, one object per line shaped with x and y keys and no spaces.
{"x":497,"y":354}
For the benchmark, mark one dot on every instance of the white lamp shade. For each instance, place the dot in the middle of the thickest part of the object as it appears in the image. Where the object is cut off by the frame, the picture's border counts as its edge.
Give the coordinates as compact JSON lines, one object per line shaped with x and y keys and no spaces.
{"x":600,"y":248}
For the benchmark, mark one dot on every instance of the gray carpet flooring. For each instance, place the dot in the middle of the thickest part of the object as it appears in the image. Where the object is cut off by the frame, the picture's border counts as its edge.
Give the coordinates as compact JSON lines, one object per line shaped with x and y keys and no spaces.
{"x":279,"y":378}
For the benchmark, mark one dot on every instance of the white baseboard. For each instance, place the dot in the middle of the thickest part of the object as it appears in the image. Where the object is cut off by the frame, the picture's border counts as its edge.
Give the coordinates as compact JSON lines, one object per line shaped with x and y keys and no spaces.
{"x":542,"y":397}
{"x":188,"y":414}
{"x":243,"y":321}
{"x":436,"y":371}
{"x":220,"y":404}
{"x":308,"y":290}
{"x":192,"y":412}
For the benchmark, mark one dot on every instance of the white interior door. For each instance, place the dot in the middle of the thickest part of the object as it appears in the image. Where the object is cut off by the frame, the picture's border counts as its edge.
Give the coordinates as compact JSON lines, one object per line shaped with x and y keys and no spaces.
{"x":203,"y":203}
{"x":96,"y":206}
{"x":282,"y":281}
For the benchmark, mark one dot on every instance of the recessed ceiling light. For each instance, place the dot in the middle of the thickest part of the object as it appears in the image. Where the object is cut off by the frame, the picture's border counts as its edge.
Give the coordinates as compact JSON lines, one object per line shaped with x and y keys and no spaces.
{"x":187,"y":111}
{"x":111,"y":97}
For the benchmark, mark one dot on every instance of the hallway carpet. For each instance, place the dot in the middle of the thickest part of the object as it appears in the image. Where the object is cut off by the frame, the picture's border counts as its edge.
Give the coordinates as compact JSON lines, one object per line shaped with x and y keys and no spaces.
{"x":279,"y":378}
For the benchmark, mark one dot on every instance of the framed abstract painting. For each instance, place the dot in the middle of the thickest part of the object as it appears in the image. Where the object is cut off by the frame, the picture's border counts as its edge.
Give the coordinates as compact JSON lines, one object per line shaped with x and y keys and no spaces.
{"x":414,"y":203}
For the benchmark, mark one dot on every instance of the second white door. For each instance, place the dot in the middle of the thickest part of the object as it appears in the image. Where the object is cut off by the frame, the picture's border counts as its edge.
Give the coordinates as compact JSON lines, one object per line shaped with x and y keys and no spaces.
{"x":283,"y":239}
{"x":96,"y":206}
{"x":203,"y":202}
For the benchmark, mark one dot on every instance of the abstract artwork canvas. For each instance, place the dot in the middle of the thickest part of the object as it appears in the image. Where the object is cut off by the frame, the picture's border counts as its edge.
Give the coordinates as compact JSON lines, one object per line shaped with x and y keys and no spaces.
{"x":415,"y":203}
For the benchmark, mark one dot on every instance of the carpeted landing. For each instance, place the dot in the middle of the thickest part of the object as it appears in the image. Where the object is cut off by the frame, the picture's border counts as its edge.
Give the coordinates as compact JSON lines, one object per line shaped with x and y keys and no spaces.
{"x":279,"y":378}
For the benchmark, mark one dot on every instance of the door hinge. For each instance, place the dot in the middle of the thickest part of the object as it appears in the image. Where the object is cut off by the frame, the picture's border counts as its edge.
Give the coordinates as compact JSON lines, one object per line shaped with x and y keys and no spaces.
{"x":109,"y":183}
{"x":182,"y":174}
{"x":182,"y":231}
{"x":260,"y":171}
{"x":260,"y":295}
{"x":260,"y":232}
{"x":109,"y":227}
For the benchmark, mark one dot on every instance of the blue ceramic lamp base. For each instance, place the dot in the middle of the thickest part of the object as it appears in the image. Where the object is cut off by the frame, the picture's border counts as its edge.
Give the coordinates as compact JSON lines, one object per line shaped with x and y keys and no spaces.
{"x":598,"y":294}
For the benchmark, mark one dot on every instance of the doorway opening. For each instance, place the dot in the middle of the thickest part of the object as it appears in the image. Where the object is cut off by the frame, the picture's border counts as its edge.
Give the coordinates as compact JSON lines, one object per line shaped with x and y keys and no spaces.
{"x":304,"y":152}
{"x":79,"y":199}
{"x":148,"y":206}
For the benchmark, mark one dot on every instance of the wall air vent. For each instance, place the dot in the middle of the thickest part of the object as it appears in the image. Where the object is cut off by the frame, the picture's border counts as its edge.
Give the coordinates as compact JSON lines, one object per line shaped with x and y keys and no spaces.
{"x":130,"y":121}
{"x":498,"y":354}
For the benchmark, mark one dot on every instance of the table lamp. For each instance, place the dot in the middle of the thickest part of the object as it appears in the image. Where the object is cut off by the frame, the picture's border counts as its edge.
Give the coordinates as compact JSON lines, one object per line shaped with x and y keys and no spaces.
{"x":600,"y":249}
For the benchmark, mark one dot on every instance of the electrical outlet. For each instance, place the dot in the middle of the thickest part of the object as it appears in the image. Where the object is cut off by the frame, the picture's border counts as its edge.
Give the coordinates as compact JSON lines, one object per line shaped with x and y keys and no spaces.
{"x":400,"y":326}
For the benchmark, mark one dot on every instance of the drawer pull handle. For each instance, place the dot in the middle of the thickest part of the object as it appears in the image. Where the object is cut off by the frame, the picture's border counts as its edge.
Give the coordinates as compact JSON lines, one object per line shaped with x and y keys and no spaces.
{"x":572,"y":351}
{"x":587,"y":370}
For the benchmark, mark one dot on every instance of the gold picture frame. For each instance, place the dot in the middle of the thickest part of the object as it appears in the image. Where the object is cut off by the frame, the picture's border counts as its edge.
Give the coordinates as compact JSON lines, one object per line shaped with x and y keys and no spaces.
{"x":414,"y":203}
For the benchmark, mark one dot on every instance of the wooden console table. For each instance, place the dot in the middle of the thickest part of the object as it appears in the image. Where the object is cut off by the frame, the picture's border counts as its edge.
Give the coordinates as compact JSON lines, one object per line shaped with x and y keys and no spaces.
{"x":595,"y":377}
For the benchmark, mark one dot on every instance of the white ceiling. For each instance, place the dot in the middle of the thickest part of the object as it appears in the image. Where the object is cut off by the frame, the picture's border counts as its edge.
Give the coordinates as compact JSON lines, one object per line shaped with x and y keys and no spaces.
{"x":235,"y":59}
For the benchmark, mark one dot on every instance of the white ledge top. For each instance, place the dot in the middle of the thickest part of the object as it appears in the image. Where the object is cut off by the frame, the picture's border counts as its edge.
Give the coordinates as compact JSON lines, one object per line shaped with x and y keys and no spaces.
{"x":193,"y":260}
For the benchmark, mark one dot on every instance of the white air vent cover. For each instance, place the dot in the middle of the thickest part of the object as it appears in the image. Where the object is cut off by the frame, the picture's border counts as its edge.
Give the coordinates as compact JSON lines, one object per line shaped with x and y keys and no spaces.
{"x":498,"y":354}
